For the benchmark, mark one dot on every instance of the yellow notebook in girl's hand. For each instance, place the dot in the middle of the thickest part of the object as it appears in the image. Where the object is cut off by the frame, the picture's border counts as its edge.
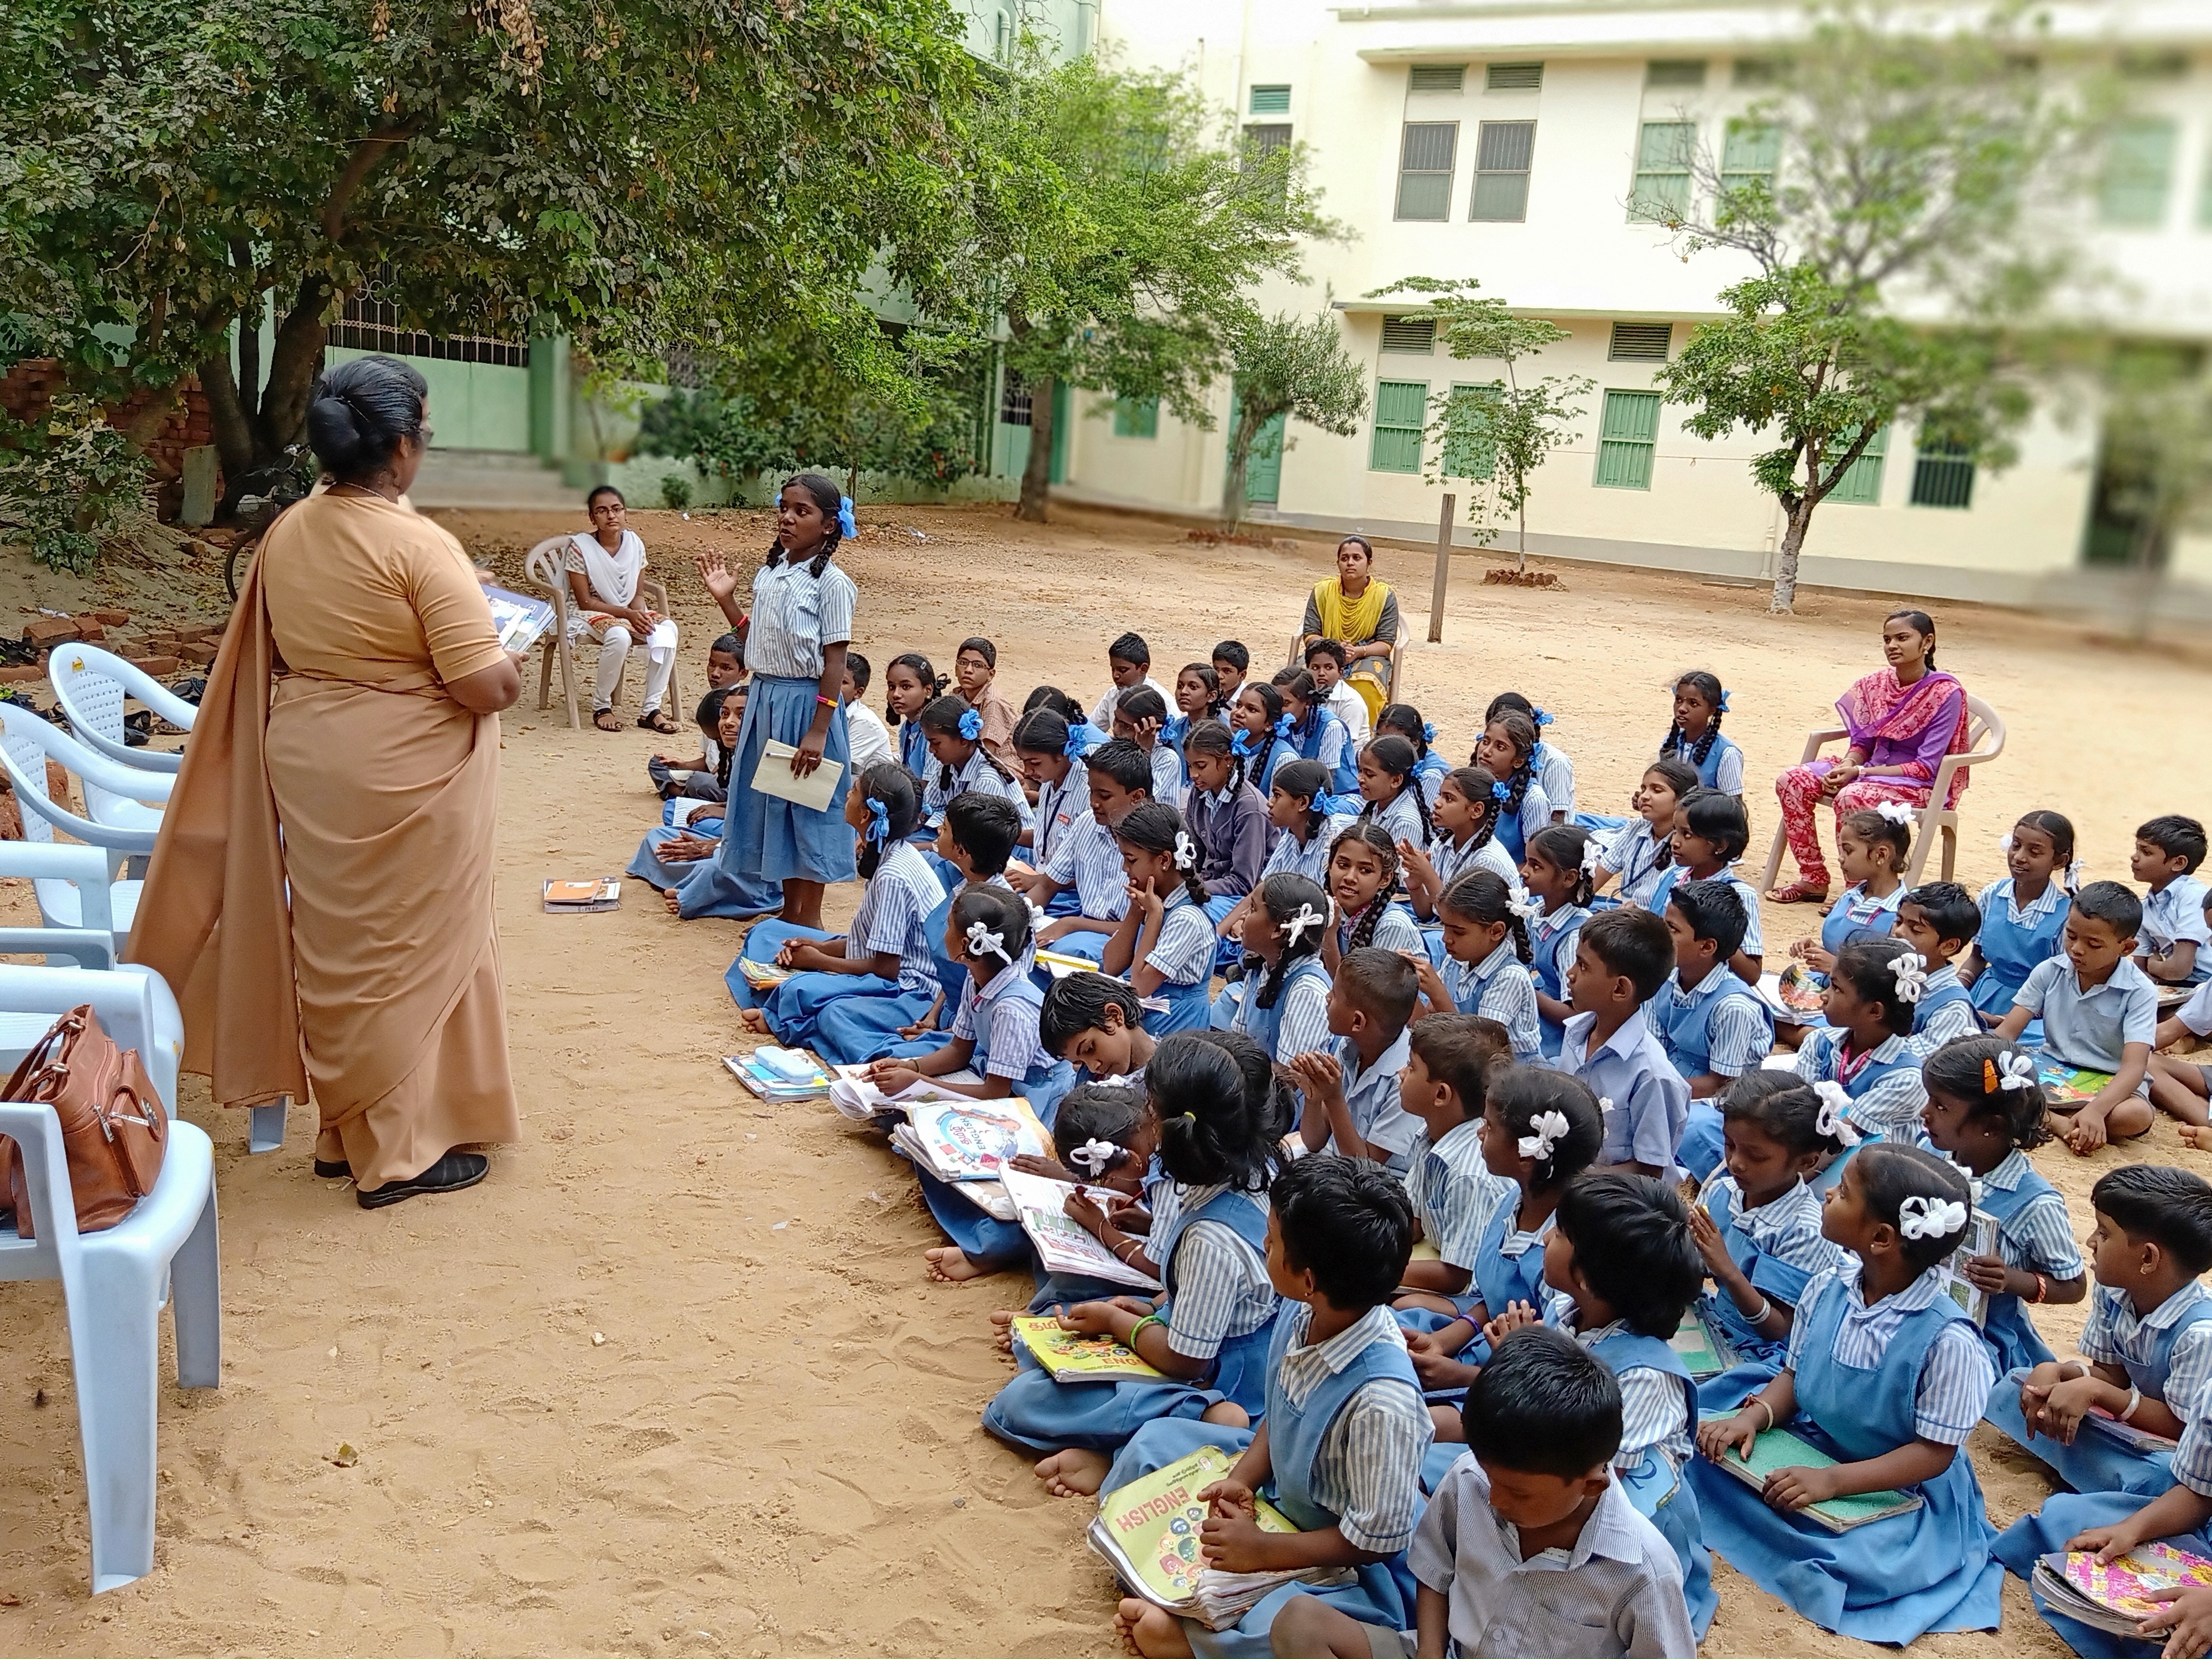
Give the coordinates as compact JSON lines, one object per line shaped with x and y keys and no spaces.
{"x":1071,"y":1357}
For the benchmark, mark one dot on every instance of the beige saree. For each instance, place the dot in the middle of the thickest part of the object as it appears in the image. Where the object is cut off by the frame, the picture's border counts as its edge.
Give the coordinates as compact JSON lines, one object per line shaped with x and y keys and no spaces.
{"x":325,"y":713}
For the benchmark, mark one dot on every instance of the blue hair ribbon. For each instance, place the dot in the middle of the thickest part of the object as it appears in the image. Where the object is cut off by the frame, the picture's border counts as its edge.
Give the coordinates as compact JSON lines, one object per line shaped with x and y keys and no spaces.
{"x":1240,"y":742}
{"x":1540,"y":717}
{"x":1283,"y":726}
{"x":1428,"y":731}
{"x":971,"y":725}
{"x":1078,"y":745}
{"x":1723,"y":702}
{"x":845,"y":524}
{"x":1499,"y":792}
{"x":880,"y":820}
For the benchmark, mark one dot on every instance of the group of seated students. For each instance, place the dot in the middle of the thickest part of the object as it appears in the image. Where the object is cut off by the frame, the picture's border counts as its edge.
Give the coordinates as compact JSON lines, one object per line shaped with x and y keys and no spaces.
{"x":1395,"y":1074}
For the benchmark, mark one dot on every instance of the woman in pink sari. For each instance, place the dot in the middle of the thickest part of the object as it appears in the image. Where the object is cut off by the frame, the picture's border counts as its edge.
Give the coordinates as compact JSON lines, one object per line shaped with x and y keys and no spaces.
{"x":1902,"y":721}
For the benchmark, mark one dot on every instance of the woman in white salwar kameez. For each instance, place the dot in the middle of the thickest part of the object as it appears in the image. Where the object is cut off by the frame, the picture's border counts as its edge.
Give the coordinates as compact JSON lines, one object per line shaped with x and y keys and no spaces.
{"x":604,"y":565}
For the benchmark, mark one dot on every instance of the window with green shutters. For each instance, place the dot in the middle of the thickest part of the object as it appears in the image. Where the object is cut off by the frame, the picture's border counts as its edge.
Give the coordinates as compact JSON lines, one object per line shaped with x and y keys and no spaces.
{"x":1424,"y":169}
{"x":1136,"y":417}
{"x":1942,"y":476}
{"x":1861,"y":484}
{"x":1271,"y":100}
{"x":1663,"y":154}
{"x":1503,"y":150}
{"x":1402,"y":408}
{"x":1749,"y":154}
{"x":1627,"y":434}
{"x":1467,"y":457}
{"x":2138,"y":172}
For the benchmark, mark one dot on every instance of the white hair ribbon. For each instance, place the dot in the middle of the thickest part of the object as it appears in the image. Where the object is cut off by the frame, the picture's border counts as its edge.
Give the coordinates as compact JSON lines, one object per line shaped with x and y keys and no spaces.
{"x":1930,"y":1218}
{"x":1037,"y":917}
{"x":1186,"y":851}
{"x":1896,"y":811}
{"x":1834,"y":1121}
{"x":1593,"y":858}
{"x":1551,"y":1128}
{"x":1912,"y":971}
{"x":1526,"y":908}
{"x":1096,"y":1155}
{"x":2004,"y":842}
{"x":983,"y":941}
{"x":2015,"y":1070}
{"x":1295,"y":929}
{"x":2073,"y":881}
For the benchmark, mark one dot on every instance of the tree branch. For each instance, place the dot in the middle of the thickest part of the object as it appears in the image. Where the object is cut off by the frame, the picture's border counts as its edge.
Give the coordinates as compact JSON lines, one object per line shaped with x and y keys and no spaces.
{"x":367,"y":153}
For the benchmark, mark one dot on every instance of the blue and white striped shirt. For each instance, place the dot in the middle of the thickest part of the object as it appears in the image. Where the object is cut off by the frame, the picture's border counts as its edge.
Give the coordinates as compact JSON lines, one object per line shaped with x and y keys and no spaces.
{"x":1654,"y":1410}
{"x":1454,"y":1193}
{"x":979,"y":773}
{"x":1088,"y":858}
{"x":894,"y":915}
{"x":795,"y":615}
{"x":1015,"y":1051}
{"x":1372,"y":1097}
{"x":1303,"y":1029}
{"x":1737,"y":1039}
{"x":1947,"y":1020}
{"x":1893,"y":1104}
{"x":1499,"y":988}
{"x":1222,"y":1288}
{"x":2039,"y":1236}
{"x":1367,"y":1468}
{"x":1956,"y":1377}
{"x":1394,"y":930}
{"x":1555,"y":773}
{"x":1633,"y":855}
{"x":1058,"y":806}
{"x":1288,"y":856}
{"x":1786,"y":1230}
{"x":2114,"y":1335}
{"x":1183,"y":952}
{"x":1401,"y":819}
{"x":1450,"y":862}
{"x":1167,"y":776}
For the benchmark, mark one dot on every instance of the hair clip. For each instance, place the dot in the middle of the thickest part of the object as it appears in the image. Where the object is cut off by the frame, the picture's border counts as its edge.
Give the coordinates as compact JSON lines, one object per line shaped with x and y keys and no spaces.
{"x":1428,"y":731}
{"x":1186,"y":851}
{"x":1096,"y":1155}
{"x":1295,"y":929}
{"x":1896,"y":811}
{"x":1930,"y":1218}
{"x":1498,"y":790}
{"x":971,"y":725}
{"x":1912,"y":971}
{"x":879,"y":820}
{"x":1834,"y":1121}
{"x":984,"y":941}
{"x":845,"y":524}
{"x":2016,"y":1071}
{"x":1551,"y":1128}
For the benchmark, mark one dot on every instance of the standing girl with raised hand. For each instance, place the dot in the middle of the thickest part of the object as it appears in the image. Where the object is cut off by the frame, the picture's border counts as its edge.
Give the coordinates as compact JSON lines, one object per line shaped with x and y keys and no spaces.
{"x":1164,"y":942}
{"x":1050,"y":755}
{"x":1259,"y":732}
{"x":1695,"y":740}
{"x":1392,"y":792}
{"x":1486,"y":954}
{"x":1556,"y":876}
{"x":1315,"y":732}
{"x":1555,"y":771}
{"x":1226,"y":816}
{"x":1363,"y":880}
{"x":959,"y":763}
{"x":886,"y":953}
{"x":1507,"y":748}
{"x":1465,"y":825}
{"x":910,"y":685}
{"x":2022,"y":916}
{"x":1885,"y":1374}
{"x":1428,"y":766}
{"x":1641,"y":854}
{"x":800,"y":622}
{"x":1209,"y":1331}
{"x":1285,"y":1009}
{"x":1986,"y":1112}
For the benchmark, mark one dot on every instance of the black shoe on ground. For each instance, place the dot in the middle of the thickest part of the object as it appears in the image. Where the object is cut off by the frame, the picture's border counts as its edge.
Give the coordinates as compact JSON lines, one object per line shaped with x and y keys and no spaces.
{"x":450,"y":1174}
{"x":327,"y":1171}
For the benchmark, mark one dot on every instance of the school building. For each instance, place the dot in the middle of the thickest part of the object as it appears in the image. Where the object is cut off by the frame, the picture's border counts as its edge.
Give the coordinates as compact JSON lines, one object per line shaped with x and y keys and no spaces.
{"x":1506,"y":140}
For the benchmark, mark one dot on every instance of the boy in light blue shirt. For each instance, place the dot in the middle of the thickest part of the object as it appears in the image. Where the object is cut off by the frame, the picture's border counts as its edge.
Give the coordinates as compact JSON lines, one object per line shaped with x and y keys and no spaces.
{"x":2100,"y":1015}
{"x":1621,"y":961}
{"x":1351,"y":1095}
{"x":2176,"y":938}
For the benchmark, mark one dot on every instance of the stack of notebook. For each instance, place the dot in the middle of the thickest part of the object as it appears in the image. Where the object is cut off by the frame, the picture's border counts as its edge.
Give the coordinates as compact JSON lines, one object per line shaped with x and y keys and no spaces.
{"x":776,"y":1073}
{"x":2116,"y":1596}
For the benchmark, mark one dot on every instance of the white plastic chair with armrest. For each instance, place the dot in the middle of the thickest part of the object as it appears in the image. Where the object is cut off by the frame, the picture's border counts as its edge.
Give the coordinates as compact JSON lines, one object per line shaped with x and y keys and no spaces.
{"x":91,"y":686}
{"x":547,"y":565}
{"x":66,"y":900}
{"x":114,"y":1283}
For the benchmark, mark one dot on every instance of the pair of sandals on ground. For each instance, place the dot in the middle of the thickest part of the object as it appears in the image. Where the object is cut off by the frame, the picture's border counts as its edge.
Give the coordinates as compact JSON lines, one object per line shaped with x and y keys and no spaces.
{"x":657,"y":721}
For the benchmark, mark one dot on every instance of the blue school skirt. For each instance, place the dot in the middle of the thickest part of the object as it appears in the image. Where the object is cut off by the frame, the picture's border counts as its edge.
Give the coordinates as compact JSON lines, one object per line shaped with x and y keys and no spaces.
{"x":795,"y":1008}
{"x":765,"y":838}
{"x":2019,"y":1546}
{"x":1702,"y":1147}
{"x":1227,"y":952}
{"x":1035,"y":1414}
{"x":702,"y":887}
{"x":1383,"y":1594}
{"x":854,"y":1031}
{"x":1661,"y":1496}
{"x":2095,"y":1462}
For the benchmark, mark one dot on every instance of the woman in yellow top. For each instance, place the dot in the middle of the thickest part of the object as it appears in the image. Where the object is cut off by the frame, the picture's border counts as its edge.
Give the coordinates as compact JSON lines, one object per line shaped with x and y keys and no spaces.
{"x":1360,"y":613}
{"x":322,"y":888}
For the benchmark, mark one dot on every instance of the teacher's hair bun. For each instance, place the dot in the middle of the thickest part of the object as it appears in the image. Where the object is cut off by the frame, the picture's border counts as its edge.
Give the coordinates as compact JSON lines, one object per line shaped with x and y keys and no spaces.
{"x":360,"y":412}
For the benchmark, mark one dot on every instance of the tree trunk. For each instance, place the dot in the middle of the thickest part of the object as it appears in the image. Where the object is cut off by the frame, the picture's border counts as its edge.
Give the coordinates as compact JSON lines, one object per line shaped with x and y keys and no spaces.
{"x":142,"y":428}
{"x":226,"y":416}
{"x":1036,"y":475}
{"x":293,"y":367}
{"x":1523,"y":512}
{"x":1240,"y":466}
{"x":1785,"y":601}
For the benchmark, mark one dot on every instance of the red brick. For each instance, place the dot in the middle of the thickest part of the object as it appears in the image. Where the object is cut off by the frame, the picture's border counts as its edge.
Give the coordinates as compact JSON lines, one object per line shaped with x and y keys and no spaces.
{"x":89,"y":630}
{"x":202,"y":655}
{"x":22,"y":676}
{"x":200,"y":631}
{"x":157,"y":666}
{"x":109,"y":617}
{"x":44,"y":631}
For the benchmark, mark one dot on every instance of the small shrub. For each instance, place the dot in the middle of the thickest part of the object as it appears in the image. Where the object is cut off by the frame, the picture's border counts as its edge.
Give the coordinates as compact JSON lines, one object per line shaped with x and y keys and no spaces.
{"x":675,"y":490}
{"x":71,"y":483}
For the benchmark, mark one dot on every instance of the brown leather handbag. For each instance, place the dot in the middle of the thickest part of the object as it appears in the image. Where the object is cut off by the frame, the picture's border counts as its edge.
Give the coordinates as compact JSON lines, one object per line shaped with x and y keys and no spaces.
{"x":114,"y":1132}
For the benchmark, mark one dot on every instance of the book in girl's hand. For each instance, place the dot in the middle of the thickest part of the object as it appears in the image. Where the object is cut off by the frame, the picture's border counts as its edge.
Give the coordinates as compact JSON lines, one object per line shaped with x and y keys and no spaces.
{"x":2127,"y":1434}
{"x":2116,"y":1596}
{"x":853,"y":1096}
{"x":1041,"y":1206}
{"x":1779,"y":1448}
{"x":582,"y":898}
{"x":1702,"y":1350}
{"x":962,"y":1139}
{"x":1068,"y":1356}
{"x":1981,"y":1240}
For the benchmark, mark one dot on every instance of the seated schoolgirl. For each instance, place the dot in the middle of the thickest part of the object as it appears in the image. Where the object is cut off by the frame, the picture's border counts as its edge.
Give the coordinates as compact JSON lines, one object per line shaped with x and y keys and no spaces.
{"x":1713,"y":1026}
{"x":1140,"y":714}
{"x":1556,"y":874}
{"x":1486,"y":952}
{"x":1866,"y":1045}
{"x":698,"y":781}
{"x":1872,"y":848}
{"x":1050,"y":755}
{"x":1164,"y":942}
{"x":1298,"y":809}
{"x":1623,"y":1271}
{"x":2021,"y":915}
{"x":1095,"y":1023}
{"x":1259,"y":732}
{"x":885,"y":953}
{"x":1540,"y":1130}
{"x":1209,"y":1330}
{"x":1985,"y":1112}
{"x":1284,"y":994}
{"x":1885,"y":1374}
{"x":1448,"y":1062}
{"x":1103,"y":1137}
{"x":1363,"y":880}
{"x":1390,"y":792}
{"x":1197,"y":697}
{"x":1641,"y":854}
{"x":1086,"y":859}
{"x":1351,"y":1086}
{"x":1226,"y":816}
{"x":1465,"y":823}
{"x":1555,"y":771}
{"x":1757,"y":1223}
{"x":1339,"y":1449}
{"x":1315,"y":732}
{"x":670,"y":853}
{"x":2148,"y":1344}
{"x":1506,"y":751}
{"x":1428,"y":766}
{"x":959,"y":761}
{"x":910,"y":685}
{"x":1710,"y":832}
{"x":1694,"y":739}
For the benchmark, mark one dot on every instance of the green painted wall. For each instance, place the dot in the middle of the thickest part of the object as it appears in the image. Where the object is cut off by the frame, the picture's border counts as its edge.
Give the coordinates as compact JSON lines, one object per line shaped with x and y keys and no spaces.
{"x":472,"y":405}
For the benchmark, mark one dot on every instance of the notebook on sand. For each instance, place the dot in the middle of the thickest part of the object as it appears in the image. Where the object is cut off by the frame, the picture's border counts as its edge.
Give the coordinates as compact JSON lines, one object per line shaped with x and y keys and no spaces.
{"x":583,"y":897}
{"x":1779,"y":1448}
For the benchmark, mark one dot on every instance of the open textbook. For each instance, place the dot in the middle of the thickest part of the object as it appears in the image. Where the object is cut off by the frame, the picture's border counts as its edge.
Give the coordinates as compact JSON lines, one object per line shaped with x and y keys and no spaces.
{"x":1061,"y":1246}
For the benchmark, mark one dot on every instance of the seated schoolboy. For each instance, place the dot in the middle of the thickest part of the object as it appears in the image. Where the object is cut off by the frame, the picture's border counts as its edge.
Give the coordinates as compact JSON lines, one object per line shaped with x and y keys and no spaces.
{"x":1940,"y":920}
{"x":2148,"y":1341}
{"x":1712,"y":1025}
{"x":1339,"y":1449}
{"x":726,"y":667}
{"x":2100,"y":1015}
{"x":1164,"y":942}
{"x":1128,"y":664}
{"x":1530,"y":1547}
{"x":1865,"y":1049}
{"x":1088,"y":858}
{"x":1325,"y":661}
{"x":1446,"y":1086}
{"x":1352,"y":1093}
{"x":1622,"y":959}
{"x":2176,"y":941}
{"x":2180,"y":1086}
{"x":1886,"y":1375}
{"x":864,"y":729}
{"x":1232,"y":661}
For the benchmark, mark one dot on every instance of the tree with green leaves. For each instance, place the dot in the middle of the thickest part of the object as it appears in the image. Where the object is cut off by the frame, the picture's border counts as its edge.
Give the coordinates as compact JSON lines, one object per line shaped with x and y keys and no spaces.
{"x":1117,"y":232}
{"x":174,"y":173}
{"x":1296,"y":369}
{"x":1495,"y":435}
{"x":1899,"y":196}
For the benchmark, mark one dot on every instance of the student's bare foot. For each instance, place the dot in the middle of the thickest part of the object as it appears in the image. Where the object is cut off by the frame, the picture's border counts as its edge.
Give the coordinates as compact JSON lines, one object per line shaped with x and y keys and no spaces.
{"x":1226,"y":1414}
{"x":673,"y":900}
{"x":1002,"y":1328}
{"x":1075,"y":1473}
{"x":2198,"y":1135}
{"x":1152,"y":1631}
{"x":949,"y":1265}
{"x":754,"y":1021}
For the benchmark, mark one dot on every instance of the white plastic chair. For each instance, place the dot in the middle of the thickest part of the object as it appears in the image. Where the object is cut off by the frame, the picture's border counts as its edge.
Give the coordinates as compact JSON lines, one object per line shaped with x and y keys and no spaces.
{"x":91,"y":685}
{"x":120,"y":796}
{"x":547,"y":565}
{"x":67,"y":895}
{"x":114,"y":1283}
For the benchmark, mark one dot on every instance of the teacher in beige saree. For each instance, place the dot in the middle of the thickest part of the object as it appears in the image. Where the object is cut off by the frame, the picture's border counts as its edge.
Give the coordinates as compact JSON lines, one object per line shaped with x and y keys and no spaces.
{"x":321,"y":893}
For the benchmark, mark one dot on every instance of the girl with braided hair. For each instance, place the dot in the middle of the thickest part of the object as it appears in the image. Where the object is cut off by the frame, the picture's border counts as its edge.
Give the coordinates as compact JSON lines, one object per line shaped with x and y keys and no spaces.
{"x":1164,"y":941}
{"x":1363,"y":880}
{"x":1431,"y":768}
{"x":1555,"y":771}
{"x":1392,"y":791}
{"x":1284,"y":1009}
{"x":1508,"y":749}
{"x":1260,"y":733}
{"x":1487,"y":957}
{"x":1695,"y":737}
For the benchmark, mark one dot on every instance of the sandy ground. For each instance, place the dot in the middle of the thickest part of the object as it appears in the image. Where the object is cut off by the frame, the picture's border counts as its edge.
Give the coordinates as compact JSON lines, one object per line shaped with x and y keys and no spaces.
{"x":776,"y":1448}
